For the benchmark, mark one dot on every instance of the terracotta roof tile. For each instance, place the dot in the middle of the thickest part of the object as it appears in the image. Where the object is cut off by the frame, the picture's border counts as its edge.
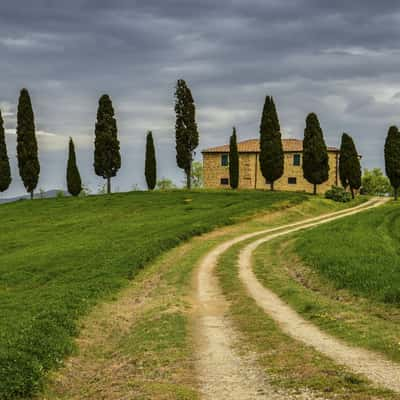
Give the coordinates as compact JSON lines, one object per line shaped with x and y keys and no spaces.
{"x":253,"y":146}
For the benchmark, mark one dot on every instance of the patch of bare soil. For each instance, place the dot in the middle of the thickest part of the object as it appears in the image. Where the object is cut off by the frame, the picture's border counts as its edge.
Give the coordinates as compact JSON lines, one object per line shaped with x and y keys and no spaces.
{"x":223,"y":373}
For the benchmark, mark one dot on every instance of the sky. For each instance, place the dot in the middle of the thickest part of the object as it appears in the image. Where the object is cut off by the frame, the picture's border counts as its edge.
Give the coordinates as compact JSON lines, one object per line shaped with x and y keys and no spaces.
{"x":339,"y":59}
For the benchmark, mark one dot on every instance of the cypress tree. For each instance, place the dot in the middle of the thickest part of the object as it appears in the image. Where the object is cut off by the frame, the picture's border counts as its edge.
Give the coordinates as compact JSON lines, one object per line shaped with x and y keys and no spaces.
{"x":27,"y":148}
{"x":186,"y":134}
{"x":271,"y":150}
{"x":349,"y":164}
{"x":5,"y":172}
{"x":233,"y":161}
{"x":392,"y":158}
{"x":107,"y":158}
{"x":74,"y":183}
{"x":150,"y":169}
{"x":315,"y":153}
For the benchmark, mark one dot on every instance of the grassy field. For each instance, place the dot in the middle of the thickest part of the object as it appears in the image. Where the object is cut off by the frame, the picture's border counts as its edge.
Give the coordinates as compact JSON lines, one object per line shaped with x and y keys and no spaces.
{"x":138,"y":345}
{"x":60,"y":257}
{"x":360,"y":253}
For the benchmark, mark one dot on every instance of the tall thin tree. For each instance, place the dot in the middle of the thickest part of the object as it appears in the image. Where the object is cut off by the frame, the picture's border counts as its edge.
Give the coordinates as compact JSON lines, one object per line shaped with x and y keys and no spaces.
{"x":27,"y":148}
{"x":186,"y":133}
{"x":5,"y":171}
{"x":349,"y":165}
{"x":74,"y":182}
{"x":271,"y":150}
{"x":392,"y":158}
{"x":315,"y":153}
{"x":150,"y":169}
{"x":107,"y":158}
{"x":233,"y":161}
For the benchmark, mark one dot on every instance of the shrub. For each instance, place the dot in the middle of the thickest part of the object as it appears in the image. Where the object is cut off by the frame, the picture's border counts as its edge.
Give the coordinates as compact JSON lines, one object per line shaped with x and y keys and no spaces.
{"x":337,"y":193}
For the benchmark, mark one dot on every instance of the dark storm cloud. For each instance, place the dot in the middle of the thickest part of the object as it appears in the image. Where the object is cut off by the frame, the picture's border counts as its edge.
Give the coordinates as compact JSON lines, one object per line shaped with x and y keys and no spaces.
{"x":339,"y":59}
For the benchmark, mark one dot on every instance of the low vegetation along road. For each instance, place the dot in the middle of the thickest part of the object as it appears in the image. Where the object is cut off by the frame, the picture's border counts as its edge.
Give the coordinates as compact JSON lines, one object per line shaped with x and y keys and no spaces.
{"x":236,"y":313}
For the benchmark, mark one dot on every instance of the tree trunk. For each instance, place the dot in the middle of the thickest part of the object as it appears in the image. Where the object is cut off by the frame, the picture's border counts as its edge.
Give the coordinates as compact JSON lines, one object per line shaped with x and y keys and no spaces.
{"x":32,"y":195}
{"x":395,"y":193}
{"x":352,"y":192}
{"x":272,"y":185}
{"x":108,"y":185}
{"x":189,"y":177}
{"x":315,"y":189}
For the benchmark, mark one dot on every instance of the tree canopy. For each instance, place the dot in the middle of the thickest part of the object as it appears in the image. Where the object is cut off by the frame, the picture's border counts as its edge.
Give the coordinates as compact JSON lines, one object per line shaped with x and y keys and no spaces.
{"x":233,"y":161}
{"x":27,"y":148}
{"x":150,"y":169}
{"x":74,"y":182}
{"x":271,"y":150}
{"x":315,"y":153}
{"x":5,"y":171}
{"x":107,"y":158}
{"x":392,"y":158}
{"x":349,"y":164}
{"x":186,"y":133}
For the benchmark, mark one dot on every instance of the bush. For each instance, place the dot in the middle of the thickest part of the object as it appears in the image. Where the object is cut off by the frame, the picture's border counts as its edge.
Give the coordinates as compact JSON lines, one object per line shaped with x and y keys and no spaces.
{"x":337,"y":193}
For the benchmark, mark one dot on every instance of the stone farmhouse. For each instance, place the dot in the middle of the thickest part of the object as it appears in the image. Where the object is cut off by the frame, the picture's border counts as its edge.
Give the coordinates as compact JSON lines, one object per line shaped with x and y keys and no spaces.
{"x":216,"y":167}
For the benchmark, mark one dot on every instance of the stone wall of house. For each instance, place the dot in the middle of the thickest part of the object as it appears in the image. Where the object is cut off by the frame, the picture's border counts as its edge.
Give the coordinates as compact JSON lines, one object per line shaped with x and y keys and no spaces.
{"x":250,"y":175}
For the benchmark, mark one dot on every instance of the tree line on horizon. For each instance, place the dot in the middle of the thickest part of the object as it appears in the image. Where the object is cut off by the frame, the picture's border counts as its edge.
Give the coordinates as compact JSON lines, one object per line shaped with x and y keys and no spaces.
{"x":107,"y":157}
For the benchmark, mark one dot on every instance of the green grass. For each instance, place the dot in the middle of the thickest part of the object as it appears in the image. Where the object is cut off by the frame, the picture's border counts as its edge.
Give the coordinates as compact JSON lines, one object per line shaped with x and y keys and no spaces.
{"x":360,"y":253}
{"x":60,"y":257}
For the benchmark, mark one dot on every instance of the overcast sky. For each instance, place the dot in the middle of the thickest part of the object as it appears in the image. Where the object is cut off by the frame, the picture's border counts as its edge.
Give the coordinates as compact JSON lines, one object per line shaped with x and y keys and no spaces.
{"x":339,"y":59}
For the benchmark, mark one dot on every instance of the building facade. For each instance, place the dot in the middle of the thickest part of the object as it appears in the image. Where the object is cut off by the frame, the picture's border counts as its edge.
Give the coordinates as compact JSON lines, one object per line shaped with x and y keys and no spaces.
{"x":216,"y":167}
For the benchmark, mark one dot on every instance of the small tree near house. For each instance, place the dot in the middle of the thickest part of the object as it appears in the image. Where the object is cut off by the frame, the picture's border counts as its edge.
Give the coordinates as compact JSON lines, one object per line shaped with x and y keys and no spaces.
{"x":186,"y":134}
{"x":315,"y":153}
{"x":233,"y":161}
{"x":392,"y":158}
{"x":349,"y":165}
{"x":107,"y":158}
{"x":271,"y":150}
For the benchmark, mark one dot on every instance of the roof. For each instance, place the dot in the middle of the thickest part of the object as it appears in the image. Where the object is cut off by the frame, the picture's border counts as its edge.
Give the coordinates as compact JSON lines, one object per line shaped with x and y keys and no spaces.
{"x":253,"y":146}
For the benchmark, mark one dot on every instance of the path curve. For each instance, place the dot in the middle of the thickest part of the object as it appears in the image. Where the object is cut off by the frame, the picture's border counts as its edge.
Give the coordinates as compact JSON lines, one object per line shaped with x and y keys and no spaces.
{"x":374,"y":366}
{"x":223,"y":373}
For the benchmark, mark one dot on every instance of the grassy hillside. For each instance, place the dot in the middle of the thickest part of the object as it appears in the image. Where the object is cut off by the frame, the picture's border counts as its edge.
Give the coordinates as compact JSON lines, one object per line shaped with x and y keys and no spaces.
{"x":59,"y":257}
{"x":360,"y":253}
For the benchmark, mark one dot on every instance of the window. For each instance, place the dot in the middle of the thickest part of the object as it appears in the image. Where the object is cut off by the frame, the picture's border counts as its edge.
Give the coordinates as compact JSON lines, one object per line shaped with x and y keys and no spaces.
{"x":224,"y":160}
{"x":296,"y":159}
{"x":224,"y":181}
{"x":292,"y":181}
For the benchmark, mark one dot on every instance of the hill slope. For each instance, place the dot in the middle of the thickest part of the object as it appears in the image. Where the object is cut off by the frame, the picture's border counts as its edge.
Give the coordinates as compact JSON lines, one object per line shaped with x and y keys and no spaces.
{"x":59,"y":257}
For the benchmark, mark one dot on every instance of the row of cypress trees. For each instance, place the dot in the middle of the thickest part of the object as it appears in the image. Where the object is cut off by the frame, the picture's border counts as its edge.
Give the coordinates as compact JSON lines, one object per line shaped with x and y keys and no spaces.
{"x":107,"y":158}
{"x":315,"y":155}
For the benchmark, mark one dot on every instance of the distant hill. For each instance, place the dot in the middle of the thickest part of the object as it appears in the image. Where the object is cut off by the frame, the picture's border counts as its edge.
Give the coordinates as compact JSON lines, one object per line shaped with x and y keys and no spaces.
{"x":44,"y":195}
